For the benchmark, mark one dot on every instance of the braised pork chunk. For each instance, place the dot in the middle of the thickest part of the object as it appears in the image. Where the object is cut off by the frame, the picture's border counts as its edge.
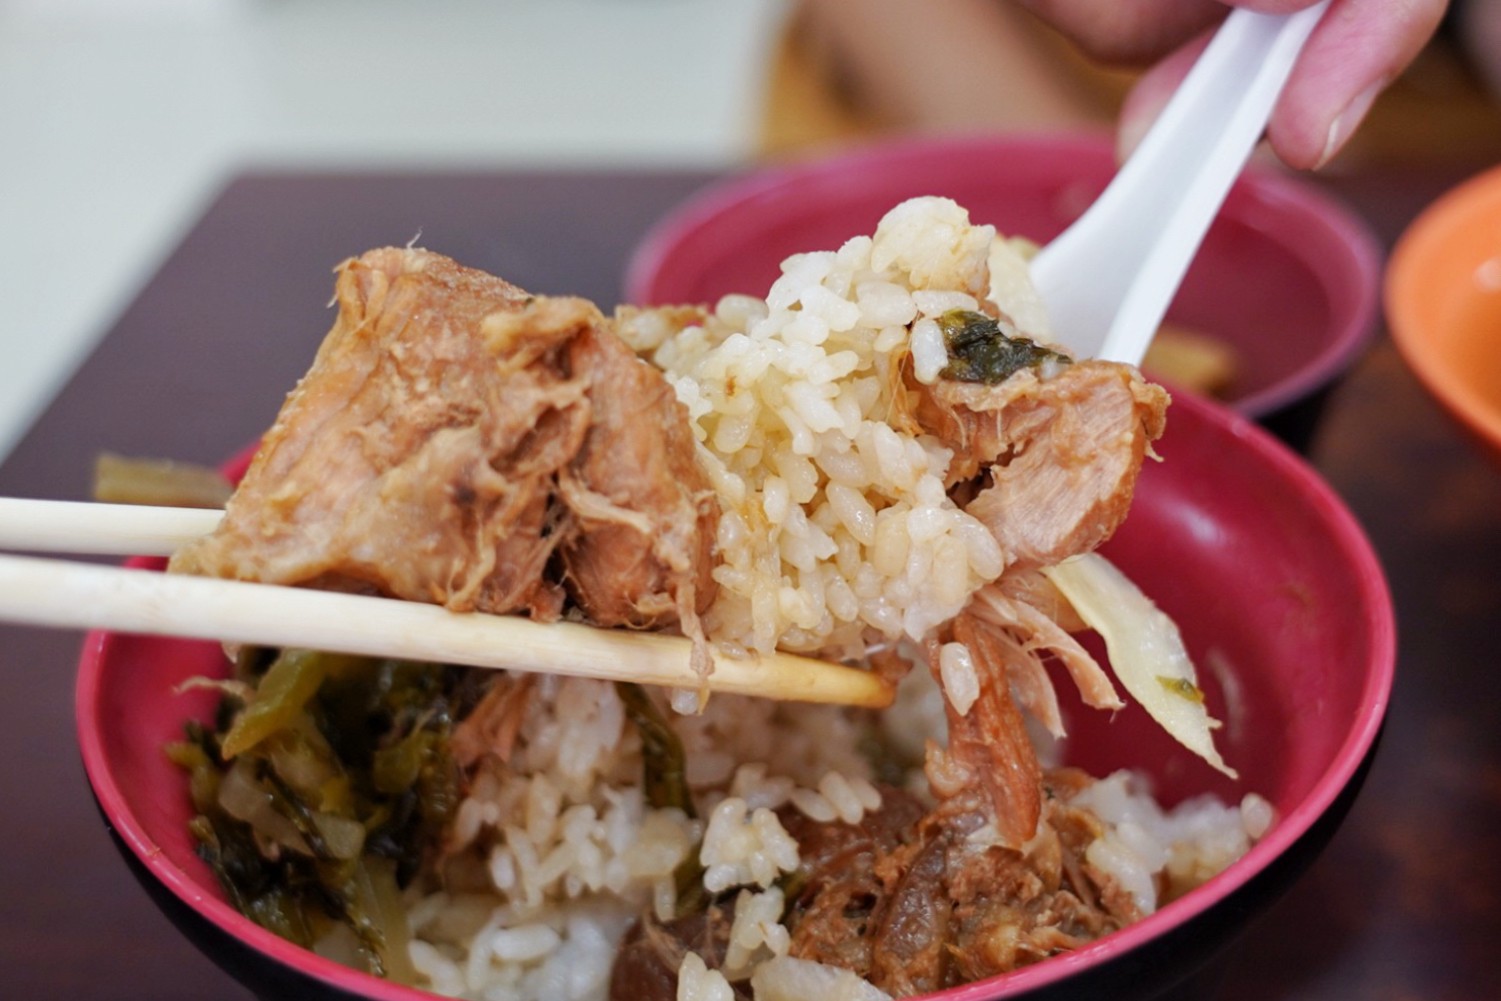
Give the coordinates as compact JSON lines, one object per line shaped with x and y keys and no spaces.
{"x":450,"y":444}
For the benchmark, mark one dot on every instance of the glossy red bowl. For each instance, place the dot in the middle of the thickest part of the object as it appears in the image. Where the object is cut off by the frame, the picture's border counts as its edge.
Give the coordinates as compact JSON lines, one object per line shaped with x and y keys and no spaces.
{"x":1280,"y":598}
{"x":1443,"y":304}
{"x":1287,"y":276}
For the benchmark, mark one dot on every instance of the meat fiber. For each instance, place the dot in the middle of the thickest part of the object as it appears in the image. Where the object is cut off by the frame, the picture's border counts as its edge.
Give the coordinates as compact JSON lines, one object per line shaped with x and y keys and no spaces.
{"x":449,"y":445}
{"x":1048,"y":460}
{"x":1061,"y":452}
{"x":646,"y":966}
{"x":642,"y":536}
{"x":956,"y":907}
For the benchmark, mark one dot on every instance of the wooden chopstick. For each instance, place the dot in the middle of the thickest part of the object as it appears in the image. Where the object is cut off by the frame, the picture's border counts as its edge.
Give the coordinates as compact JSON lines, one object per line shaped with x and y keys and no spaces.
{"x":50,"y":526}
{"x":72,"y":595}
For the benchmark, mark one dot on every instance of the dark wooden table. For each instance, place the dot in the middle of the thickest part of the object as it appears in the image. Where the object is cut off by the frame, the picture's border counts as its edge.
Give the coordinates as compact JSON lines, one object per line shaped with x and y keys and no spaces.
{"x":1404,"y":904}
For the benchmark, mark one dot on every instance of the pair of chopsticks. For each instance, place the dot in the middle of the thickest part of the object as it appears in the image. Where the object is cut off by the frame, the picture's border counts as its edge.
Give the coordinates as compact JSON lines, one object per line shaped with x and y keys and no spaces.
{"x":71,"y":595}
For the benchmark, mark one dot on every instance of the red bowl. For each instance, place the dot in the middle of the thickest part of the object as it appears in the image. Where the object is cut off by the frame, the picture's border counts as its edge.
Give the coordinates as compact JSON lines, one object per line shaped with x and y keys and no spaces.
{"x":1279,"y":596}
{"x":1287,"y":276}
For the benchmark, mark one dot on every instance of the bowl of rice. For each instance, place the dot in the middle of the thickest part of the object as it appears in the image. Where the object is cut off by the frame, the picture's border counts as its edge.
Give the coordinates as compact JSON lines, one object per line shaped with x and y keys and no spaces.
{"x":1280,"y":301}
{"x":578,"y":839}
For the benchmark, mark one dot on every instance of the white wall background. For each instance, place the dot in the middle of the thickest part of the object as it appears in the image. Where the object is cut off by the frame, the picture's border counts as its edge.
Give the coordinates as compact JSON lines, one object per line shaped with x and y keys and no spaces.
{"x":120,"y":118}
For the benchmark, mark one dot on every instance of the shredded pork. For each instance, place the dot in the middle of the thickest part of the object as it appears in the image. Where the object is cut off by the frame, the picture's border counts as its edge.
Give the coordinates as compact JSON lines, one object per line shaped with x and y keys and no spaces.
{"x":912,"y":899}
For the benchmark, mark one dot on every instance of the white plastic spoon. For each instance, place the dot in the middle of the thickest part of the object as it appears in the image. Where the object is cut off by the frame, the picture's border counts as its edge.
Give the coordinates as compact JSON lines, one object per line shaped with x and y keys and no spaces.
{"x":1109,"y":278}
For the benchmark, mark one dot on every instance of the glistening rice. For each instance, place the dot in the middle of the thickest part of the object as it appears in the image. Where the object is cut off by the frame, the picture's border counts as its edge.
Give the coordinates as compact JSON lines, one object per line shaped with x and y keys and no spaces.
{"x":837,"y":526}
{"x":556,"y":851}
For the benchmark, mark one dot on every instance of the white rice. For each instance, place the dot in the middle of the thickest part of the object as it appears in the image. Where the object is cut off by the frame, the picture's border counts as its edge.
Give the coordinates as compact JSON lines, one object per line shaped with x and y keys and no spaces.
{"x":837,"y":535}
{"x":960,"y":681}
{"x":696,"y":982}
{"x":743,"y":847}
{"x":757,"y":933}
{"x":1151,"y":852}
{"x":787,"y":979}
{"x":836,"y":526}
{"x":567,"y":853}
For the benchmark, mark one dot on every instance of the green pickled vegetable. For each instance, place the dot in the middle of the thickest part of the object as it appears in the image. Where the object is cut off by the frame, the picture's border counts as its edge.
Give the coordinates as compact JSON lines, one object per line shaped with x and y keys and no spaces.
{"x":199,"y":755}
{"x":120,"y":479}
{"x":664,"y":765}
{"x":664,"y":780}
{"x":688,"y":884}
{"x":288,"y":683}
{"x":980,"y":352}
{"x":374,"y":911}
{"x":323,"y":784}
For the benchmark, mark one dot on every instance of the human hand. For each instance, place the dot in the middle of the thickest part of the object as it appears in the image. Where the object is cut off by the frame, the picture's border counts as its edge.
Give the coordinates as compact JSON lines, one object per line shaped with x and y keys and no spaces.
{"x":1357,"y":49}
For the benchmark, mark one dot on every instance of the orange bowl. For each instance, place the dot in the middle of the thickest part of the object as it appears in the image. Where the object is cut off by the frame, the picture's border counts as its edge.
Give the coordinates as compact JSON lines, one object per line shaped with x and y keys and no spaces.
{"x":1443,"y":303}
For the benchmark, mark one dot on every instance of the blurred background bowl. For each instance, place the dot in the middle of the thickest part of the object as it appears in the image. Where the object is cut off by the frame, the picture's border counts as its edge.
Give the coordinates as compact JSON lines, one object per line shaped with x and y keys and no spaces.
{"x":1281,"y":601}
{"x":1443,"y":304}
{"x":1288,"y":279}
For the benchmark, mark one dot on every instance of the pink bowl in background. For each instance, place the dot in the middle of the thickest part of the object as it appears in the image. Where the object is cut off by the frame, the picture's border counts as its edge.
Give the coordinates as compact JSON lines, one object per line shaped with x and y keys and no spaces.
{"x":1280,"y":598}
{"x":1287,"y":276}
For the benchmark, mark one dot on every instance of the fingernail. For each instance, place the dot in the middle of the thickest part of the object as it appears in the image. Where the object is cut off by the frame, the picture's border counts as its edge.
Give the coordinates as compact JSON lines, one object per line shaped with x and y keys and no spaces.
{"x":1347,"y":121}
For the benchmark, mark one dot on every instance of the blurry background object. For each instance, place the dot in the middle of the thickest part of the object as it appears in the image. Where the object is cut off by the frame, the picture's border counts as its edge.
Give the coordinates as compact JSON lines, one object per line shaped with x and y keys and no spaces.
{"x":846,"y":71}
{"x":849,"y":70}
{"x":123,"y":119}
{"x":1477,"y":24}
{"x":1443,"y":303}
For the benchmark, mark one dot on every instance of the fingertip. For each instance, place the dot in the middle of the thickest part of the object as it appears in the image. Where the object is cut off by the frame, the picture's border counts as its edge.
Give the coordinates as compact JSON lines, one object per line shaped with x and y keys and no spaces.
{"x":1353,"y":54}
{"x":1312,"y":143}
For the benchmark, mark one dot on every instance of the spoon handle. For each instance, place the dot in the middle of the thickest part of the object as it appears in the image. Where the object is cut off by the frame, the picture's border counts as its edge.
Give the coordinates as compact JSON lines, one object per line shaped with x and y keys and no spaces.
{"x":1109,"y":278}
